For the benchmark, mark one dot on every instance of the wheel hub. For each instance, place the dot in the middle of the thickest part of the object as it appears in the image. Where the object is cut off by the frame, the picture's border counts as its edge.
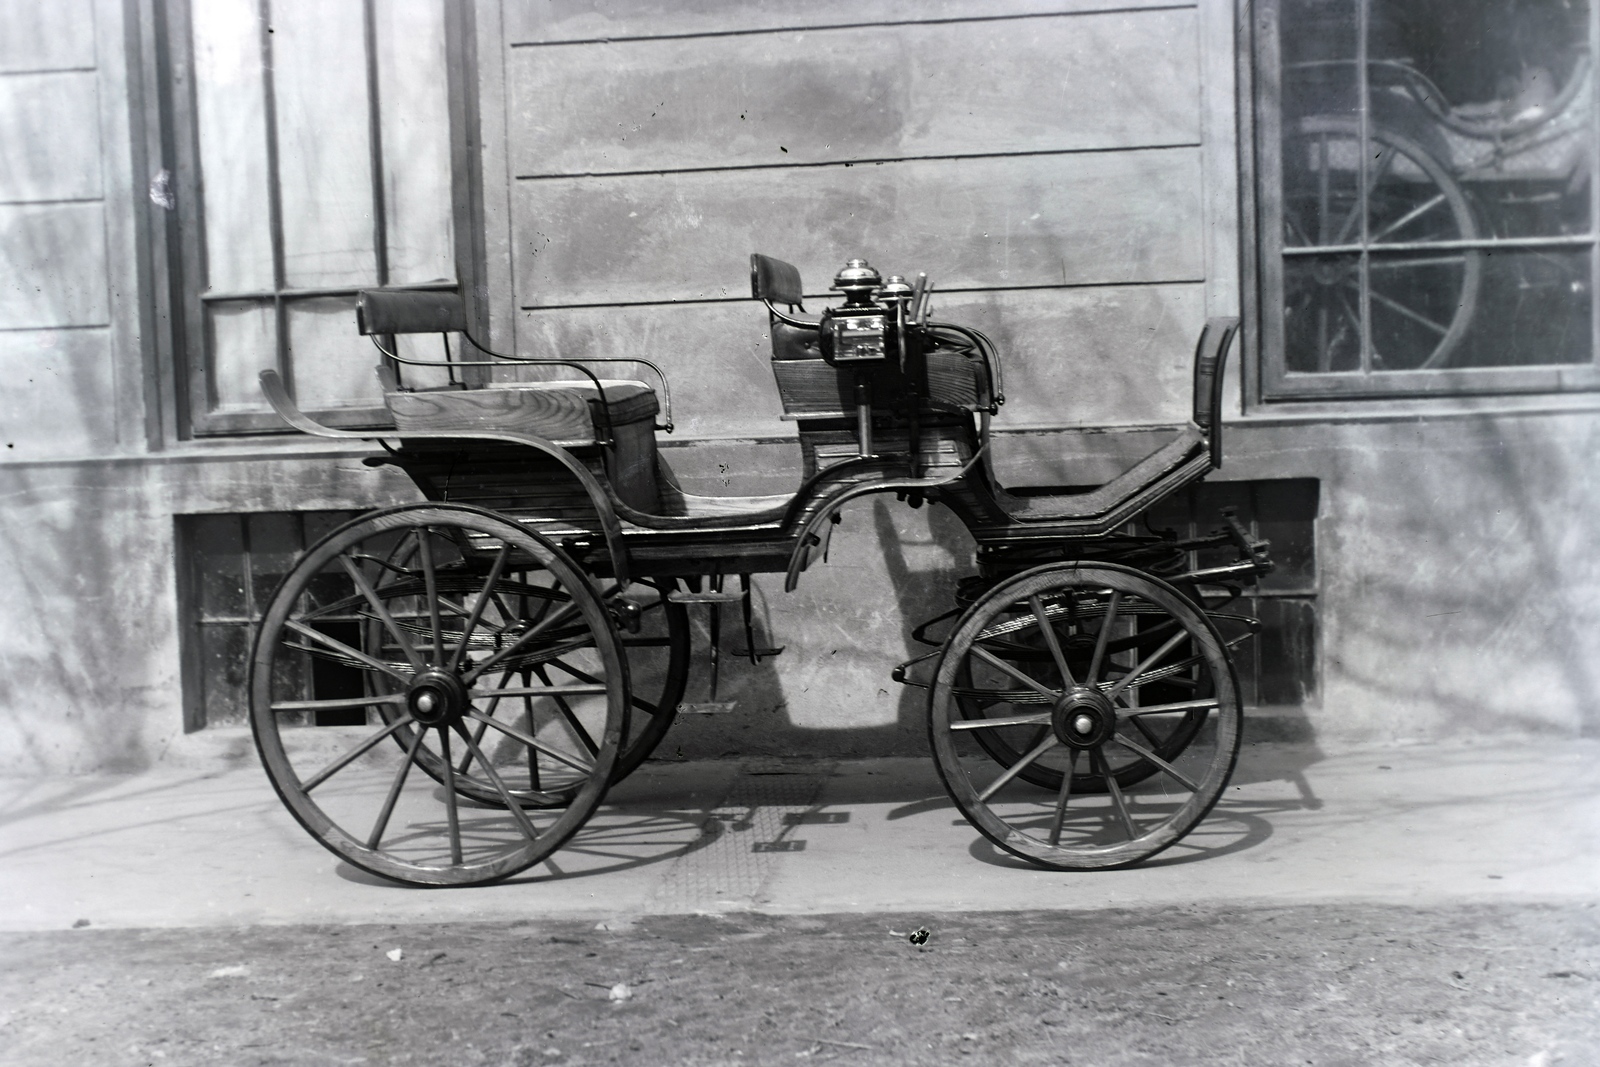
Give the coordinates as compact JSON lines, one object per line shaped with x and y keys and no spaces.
{"x":437,"y":698}
{"x":1083,"y":718}
{"x":1332,"y":272}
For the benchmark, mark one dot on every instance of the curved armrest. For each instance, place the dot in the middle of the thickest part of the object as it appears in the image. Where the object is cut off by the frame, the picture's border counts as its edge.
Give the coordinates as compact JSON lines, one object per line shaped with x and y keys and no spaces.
{"x":1210,"y":359}
{"x":278,"y":397}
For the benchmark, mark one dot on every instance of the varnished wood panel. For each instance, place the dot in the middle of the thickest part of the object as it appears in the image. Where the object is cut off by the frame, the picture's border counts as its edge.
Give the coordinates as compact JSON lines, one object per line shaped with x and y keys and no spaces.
{"x":50,"y":127}
{"x":46,"y":35}
{"x":528,"y":21}
{"x":53,"y":266}
{"x":1070,"y":357}
{"x":1067,"y":82}
{"x":1084,"y":218}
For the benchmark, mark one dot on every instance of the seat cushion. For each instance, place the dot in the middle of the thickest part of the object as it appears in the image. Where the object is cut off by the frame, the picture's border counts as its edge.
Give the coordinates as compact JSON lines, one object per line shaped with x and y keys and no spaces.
{"x":557,"y":411}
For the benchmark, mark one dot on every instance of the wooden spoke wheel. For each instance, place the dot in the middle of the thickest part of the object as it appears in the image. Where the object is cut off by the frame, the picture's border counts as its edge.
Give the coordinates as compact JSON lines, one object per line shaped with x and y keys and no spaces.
{"x":427,"y":674}
{"x":1084,"y":715}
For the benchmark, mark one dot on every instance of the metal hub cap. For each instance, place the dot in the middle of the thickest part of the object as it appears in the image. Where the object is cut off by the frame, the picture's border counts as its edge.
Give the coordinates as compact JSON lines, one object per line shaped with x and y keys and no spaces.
{"x":1083,"y":718}
{"x":436,"y":698}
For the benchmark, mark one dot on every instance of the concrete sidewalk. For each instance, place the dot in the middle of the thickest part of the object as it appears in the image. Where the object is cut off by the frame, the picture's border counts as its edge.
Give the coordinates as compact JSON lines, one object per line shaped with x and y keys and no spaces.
{"x":1418,"y":824}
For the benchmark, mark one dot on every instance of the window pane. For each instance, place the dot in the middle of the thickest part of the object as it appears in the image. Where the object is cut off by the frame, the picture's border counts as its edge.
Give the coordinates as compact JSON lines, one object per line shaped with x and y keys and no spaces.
{"x":233,"y":144}
{"x":1318,"y":44}
{"x":241,"y":339}
{"x":217,"y":544}
{"x":324,"y":162}
{"x":1322,"y":313}
{"x":333,"y":365}
{"x":1530,"y":308}
{"x":416,"y":140}
{"x":1499,"y":95}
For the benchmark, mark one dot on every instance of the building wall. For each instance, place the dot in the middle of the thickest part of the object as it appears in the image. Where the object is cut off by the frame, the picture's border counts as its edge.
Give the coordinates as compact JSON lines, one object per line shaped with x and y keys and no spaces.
{"x":1455,"y":546}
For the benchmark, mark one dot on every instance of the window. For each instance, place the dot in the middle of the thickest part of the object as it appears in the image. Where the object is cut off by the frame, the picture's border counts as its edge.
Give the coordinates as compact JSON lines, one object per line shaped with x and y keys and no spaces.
{"x":313,"y":159}
{"x":1427,"y":206}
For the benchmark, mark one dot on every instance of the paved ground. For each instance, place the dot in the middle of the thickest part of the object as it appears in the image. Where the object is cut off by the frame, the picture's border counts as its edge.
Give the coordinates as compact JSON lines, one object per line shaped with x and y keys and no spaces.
{"x":1409,"y":825}
{"x":1407,"y":905}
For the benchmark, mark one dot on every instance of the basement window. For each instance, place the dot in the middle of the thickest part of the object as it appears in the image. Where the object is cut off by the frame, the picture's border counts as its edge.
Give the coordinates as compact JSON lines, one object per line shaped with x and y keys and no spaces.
{"x":1278,"y":668}
{"x":228,"y":567}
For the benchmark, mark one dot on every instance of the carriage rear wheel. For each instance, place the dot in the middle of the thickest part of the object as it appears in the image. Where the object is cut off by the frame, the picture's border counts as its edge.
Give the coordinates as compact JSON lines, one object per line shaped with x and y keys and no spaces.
{"x":472,"y":673}
{"x":1109,"y":703}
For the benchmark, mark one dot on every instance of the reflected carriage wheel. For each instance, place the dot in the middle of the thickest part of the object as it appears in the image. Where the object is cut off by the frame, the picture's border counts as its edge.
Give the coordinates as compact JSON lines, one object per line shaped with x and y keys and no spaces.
{"x":424,"y":620}
{"x":1084,"y":716}
{"x":1421,"y":301}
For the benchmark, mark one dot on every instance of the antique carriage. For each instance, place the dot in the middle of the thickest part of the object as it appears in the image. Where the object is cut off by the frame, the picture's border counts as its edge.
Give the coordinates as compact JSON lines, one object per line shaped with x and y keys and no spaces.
{"x":504,"y":651}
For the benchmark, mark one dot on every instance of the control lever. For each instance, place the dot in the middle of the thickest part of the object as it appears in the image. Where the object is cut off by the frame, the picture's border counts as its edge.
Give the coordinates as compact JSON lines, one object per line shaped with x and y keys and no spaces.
{"x":1249,"y":548}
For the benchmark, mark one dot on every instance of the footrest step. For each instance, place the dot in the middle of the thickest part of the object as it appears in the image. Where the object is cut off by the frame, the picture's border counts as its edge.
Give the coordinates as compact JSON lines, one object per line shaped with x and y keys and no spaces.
{"x":721,"y":708}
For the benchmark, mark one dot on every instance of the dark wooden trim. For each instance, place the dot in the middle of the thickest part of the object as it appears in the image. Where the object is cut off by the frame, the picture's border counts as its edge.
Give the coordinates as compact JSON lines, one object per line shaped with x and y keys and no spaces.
{"x":466,"y":170}
{"x":757,"y":31}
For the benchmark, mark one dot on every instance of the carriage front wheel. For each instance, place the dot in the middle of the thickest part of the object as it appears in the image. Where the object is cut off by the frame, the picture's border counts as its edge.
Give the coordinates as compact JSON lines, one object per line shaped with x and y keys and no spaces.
{"x":421,"y":675}
{"x":1087,"y":676}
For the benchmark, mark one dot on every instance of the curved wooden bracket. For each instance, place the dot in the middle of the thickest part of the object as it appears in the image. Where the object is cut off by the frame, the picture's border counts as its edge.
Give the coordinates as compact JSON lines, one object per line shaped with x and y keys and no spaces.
{"x":808,"y":535}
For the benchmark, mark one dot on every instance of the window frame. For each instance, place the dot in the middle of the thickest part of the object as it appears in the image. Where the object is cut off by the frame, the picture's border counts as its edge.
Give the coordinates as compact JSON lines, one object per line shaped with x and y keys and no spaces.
{"x":1269,"y":380}
{"x":192,"y":391}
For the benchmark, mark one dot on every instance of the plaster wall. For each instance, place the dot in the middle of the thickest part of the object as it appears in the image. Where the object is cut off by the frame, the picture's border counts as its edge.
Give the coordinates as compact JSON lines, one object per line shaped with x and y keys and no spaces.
{"x":1458,"y":589}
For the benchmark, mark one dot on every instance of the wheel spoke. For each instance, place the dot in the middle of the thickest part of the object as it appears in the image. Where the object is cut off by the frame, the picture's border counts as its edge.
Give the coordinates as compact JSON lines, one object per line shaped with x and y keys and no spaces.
{"x":477,"y":608}
{"x":516,"y":645}
{"x":382,"y":611}
{"x":494,"y":703}
{"x":542,"y":691}
{"x":494,"y":779}
{"x":1129,"y":678}
{"x":1158,"y":761}
{"x":452,"y":814}
{"x":1049,"y":632}
{"x":566,"y":713}
{"x":1400,"y":309}
{"x":335,"y":704}
{"x":430,"y":582}
{"x":1102,"y":636}
{"x":1018,"y":767}
{"x":1165,"y":709}
{"x":1031,"y":683}
{"x":584,"y":676}
{"x":1408,"y":218}
{"x":526,"y":739}
{"x":1061,"y":797}
{"x":1144,"y":728}
{"x":1115,"y":790}
{"x":355,"y":753}
{"x":394,"y":791}
{"x":1010,"y":720}
{"x":1374,"y":175}
{"x":343,"y":649}
{"x":1444,"y":259}
{"x":1165,"y":674}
